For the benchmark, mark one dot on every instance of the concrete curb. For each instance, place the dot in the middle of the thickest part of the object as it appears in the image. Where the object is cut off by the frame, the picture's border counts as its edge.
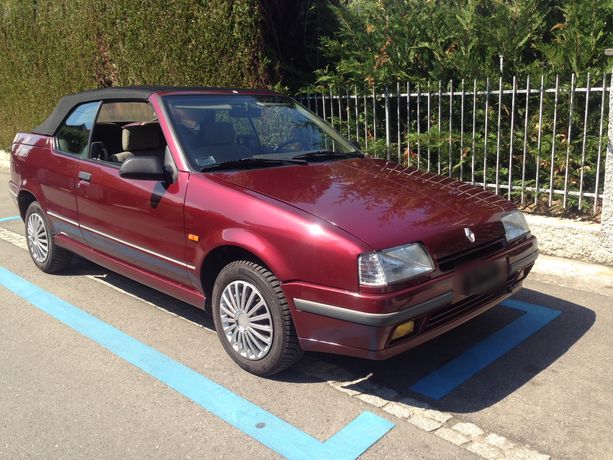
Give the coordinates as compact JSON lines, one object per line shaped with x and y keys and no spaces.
{"x":569,"y":239}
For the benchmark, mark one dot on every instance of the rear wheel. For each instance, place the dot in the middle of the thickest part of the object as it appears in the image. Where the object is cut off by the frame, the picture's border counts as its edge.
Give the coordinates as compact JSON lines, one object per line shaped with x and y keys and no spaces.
{"x":252,"y":319}
{"x":44,"y":252}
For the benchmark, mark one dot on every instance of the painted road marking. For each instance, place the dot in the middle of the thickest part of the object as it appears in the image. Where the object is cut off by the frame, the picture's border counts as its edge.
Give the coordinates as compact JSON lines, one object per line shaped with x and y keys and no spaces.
{"x":280,"y":436}
{"x":446,"y":378}
{"x":7,"y":219}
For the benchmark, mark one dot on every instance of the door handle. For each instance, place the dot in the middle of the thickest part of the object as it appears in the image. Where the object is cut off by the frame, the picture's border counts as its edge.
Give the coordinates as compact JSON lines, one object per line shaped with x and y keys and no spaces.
{"x":85,"y":176}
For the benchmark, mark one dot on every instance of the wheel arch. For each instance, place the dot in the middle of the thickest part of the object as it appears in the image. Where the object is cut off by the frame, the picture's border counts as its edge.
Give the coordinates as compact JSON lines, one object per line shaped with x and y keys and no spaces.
{"x":218,"y":258}
{"x":24,"y":199}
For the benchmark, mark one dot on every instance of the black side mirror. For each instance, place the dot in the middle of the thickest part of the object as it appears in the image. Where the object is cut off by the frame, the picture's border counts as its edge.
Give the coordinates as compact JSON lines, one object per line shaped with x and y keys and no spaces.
{"x":143,"y":168}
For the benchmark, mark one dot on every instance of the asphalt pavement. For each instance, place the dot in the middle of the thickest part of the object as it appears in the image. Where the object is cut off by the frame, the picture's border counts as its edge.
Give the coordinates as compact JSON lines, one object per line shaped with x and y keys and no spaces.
{"x":529,"y":379}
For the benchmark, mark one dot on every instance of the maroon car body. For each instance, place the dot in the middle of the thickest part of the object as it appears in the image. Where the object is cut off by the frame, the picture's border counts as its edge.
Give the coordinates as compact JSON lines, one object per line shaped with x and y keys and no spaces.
{"x":306,"y":224}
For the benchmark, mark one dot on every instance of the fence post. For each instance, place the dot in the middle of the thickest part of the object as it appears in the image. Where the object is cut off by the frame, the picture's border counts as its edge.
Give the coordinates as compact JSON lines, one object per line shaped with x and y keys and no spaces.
{"x":607,"y":199}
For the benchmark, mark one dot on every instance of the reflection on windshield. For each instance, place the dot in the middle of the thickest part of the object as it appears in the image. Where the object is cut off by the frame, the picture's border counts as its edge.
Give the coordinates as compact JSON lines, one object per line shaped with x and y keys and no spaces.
{"x":216,"y":129}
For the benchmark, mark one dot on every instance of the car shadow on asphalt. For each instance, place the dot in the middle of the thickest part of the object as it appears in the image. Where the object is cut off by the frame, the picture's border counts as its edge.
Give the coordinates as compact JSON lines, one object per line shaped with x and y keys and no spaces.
{"x":496,"y":381}
{"x":516,"y":368}
{"x":186,"y":311}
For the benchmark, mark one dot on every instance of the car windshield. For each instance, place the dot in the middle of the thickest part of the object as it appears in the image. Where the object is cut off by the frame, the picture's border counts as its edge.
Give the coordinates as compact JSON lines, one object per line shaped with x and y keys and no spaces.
{"x":219,"y":130}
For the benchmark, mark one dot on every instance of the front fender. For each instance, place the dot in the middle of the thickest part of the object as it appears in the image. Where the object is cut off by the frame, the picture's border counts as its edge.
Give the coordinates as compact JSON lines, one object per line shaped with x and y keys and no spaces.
{"x":247,"y":241}
{"x":293,"y":244}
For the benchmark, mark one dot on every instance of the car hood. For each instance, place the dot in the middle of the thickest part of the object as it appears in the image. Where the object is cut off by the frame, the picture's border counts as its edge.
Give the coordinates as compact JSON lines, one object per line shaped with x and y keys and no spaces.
{"x":383,"y":203}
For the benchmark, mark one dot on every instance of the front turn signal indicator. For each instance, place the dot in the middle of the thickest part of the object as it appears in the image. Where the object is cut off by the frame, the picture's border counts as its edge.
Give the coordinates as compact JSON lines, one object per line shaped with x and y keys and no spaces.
{"x":192,"y":237}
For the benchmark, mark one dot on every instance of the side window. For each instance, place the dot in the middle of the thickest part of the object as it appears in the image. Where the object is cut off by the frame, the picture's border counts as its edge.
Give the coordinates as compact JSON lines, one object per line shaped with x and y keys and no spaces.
{"x":137,"y":120}
{"x":73,"y":134}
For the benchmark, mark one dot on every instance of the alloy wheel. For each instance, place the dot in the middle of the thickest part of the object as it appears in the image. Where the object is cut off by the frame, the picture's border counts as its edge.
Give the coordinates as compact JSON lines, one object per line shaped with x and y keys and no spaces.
{"x":38,"y":238}
{"x":246,"y":320}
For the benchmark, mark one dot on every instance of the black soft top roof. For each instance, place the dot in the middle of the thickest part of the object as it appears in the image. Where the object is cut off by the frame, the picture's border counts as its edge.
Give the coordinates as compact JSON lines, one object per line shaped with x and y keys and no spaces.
{"x":67,"y":103}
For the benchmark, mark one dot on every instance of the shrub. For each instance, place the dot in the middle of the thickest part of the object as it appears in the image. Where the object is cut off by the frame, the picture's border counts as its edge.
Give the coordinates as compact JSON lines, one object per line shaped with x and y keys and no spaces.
{"x":49,"y":48}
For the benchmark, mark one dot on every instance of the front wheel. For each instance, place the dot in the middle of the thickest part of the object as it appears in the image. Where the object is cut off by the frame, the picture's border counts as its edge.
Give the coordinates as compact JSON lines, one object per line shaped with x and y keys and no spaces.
{"x":44,"y":252}
{"x":253,"y":320}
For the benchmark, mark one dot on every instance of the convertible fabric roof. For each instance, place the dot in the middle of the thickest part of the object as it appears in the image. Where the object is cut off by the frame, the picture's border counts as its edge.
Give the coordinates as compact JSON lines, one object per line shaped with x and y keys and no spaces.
{"x":67,"y":103}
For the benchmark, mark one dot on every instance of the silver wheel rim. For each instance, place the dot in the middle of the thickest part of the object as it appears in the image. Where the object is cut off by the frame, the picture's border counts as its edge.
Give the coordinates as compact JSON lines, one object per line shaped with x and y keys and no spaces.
{"x":246,"y":320}
{"x":38,"y":238}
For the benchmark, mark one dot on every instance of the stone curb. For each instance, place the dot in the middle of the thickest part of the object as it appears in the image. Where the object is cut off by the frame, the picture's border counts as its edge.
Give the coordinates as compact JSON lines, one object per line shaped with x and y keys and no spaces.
{"x":570,"y":239}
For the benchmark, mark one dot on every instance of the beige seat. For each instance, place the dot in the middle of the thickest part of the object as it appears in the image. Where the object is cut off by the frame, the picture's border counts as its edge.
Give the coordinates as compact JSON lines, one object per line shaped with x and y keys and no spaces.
{"x":142,"y":139}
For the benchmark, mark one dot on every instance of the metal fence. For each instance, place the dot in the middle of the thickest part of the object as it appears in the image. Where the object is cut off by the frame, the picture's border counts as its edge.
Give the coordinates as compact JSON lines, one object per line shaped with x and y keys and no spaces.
{"x":542,"y":143}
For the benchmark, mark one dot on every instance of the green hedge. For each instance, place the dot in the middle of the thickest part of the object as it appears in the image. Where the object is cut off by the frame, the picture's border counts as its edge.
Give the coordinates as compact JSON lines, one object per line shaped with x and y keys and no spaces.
{"x":49,"y":48}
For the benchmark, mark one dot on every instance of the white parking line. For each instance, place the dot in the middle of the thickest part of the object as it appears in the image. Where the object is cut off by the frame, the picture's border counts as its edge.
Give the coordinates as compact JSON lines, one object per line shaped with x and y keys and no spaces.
{"x":102,"y":280}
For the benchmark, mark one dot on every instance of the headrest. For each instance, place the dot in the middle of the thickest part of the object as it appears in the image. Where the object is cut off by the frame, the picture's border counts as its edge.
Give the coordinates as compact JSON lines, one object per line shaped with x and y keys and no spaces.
{"x":218,"y":133}
{"x":142,"y":136}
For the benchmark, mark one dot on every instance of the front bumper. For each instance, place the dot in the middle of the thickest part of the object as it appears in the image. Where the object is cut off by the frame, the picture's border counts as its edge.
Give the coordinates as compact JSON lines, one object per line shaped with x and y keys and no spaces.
{"x":361,"y":324}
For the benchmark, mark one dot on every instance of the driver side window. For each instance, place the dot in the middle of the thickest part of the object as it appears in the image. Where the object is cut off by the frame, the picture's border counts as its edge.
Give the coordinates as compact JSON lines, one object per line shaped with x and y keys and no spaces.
{"x":125,"y":129}
{"x":73,"y":135}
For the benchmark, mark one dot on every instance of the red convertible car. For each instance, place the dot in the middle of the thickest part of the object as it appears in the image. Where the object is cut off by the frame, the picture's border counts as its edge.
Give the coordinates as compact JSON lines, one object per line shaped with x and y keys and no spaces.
{"x":246,"y":203}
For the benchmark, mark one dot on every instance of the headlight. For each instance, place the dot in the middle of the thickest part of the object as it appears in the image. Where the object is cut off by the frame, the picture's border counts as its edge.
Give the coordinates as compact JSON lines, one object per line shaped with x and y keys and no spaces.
{"x":385,"y":267}
{"x":515,"y":225}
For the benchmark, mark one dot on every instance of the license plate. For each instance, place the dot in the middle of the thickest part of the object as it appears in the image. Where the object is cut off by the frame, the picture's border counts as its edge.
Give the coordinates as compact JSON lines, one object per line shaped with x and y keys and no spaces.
{"x":489,"y":278}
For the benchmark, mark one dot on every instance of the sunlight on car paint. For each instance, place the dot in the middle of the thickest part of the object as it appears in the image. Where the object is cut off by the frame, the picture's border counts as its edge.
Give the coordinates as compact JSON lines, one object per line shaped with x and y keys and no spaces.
{"x":315,"y":229}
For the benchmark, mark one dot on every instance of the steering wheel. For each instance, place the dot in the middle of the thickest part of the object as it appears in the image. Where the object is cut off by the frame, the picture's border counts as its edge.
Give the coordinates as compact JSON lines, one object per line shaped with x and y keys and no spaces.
{"x":292,"y":140}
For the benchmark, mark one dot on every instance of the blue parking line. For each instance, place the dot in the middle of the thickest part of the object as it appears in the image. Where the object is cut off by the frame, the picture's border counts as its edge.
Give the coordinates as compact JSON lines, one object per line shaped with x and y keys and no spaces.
{"x":446,"y":378}
{"x":7,"y":219}
{"x":280,"y":436}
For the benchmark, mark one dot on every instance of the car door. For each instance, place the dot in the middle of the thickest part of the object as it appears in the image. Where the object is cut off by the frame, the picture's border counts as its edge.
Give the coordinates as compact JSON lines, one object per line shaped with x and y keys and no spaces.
{"x":56,"y":175}
{"x":135,"y":221}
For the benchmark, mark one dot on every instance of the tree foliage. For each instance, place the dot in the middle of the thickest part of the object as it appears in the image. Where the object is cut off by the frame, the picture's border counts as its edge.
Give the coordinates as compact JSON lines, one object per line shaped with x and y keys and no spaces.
{"x":388,"y":40}
{"x":436,"y":45}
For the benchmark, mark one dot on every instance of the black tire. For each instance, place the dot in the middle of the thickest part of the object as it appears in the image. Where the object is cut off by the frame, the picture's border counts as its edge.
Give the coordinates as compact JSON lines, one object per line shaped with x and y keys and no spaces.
{"x":284,"y":351}
{"x":56,"y":258}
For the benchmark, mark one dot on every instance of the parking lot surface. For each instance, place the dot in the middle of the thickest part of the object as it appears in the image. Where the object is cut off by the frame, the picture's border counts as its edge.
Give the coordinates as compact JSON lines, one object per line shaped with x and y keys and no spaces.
{"x":95,"y":365}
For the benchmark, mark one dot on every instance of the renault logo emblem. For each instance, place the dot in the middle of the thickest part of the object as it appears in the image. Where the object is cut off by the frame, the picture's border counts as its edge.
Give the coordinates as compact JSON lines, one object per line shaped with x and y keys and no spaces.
{"x":469,"y":234}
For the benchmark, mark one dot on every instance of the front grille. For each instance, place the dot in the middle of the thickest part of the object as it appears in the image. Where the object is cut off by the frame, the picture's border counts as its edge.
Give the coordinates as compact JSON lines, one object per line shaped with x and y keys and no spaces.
{"x":447,"y":315}
{"x":456,"y":260}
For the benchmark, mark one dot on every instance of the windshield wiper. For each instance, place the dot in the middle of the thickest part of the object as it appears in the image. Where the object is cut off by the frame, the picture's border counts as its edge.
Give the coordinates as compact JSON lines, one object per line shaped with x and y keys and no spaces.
{"x":251,"y":162}
{"x":326,"y":154}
